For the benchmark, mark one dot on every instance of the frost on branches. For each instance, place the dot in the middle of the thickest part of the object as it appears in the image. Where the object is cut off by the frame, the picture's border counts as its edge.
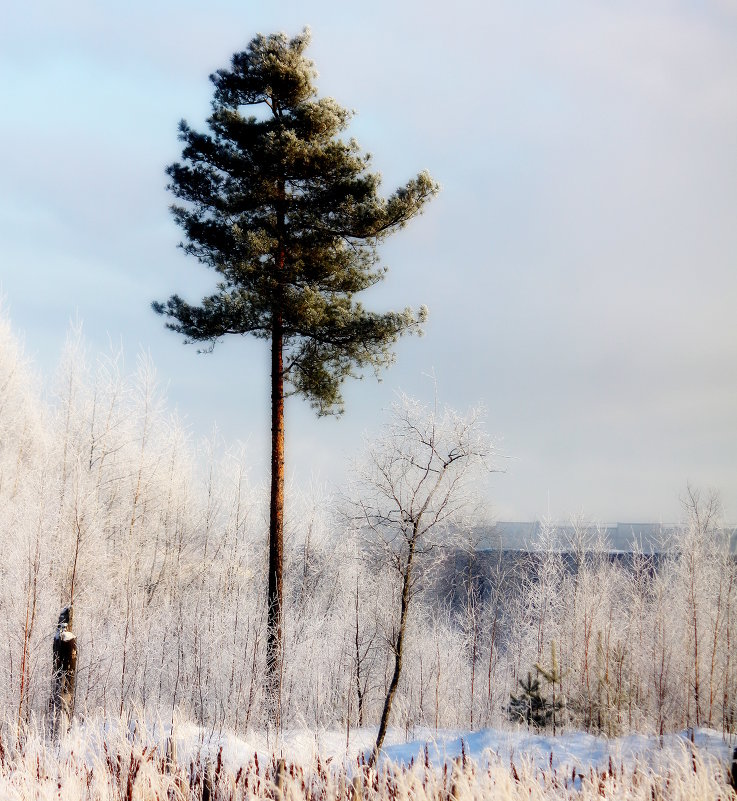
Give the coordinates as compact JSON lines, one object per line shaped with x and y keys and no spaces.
{"x":159,"y":542}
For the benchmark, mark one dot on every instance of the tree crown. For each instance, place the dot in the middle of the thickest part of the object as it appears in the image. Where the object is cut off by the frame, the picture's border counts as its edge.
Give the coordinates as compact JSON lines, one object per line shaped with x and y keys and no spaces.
{"x":289,"y":215}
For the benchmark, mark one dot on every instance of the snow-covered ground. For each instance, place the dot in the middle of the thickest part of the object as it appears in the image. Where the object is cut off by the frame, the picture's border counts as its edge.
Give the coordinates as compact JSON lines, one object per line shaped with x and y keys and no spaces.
{"x":573,"y":749}
{"x":563,"y":753}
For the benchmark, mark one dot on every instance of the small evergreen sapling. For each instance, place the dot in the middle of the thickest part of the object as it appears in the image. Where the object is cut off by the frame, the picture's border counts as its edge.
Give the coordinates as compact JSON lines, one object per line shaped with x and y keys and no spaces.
{"x":553,"y":676}
{"x":529,"y":706}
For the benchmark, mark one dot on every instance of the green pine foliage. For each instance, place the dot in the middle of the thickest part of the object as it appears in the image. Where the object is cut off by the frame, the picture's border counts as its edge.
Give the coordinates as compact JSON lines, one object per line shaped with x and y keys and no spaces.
{"x":554,"y":678}
{"x":286,"y":210}
{"x":612,"y":693}
{"x":529,"y":706}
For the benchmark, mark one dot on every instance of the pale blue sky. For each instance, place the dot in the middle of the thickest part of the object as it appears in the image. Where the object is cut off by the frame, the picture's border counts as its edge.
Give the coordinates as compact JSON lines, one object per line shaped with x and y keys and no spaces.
{"x":579,"y":264}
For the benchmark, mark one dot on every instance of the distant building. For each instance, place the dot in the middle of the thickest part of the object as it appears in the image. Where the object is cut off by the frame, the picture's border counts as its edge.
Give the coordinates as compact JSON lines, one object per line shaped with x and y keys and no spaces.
{"x":650,"y":537}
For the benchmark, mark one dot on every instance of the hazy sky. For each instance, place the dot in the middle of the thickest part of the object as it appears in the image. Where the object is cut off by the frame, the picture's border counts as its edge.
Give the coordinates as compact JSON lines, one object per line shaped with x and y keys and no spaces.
{"x":579,"y":264}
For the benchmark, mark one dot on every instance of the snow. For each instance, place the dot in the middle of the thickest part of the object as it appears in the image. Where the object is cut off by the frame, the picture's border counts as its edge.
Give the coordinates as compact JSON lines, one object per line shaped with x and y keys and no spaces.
{"x":571,"y":750}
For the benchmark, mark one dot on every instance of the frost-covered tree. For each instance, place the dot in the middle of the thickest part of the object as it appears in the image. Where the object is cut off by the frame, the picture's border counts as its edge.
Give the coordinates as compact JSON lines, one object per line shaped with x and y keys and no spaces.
{"x":287,"y":212}
{"x":158,"y":542}
{"x":706,"y":570}
{"x":413,"y":482}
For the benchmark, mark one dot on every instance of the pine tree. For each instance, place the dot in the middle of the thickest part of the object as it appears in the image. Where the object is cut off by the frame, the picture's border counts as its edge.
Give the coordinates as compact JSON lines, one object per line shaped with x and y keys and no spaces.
{"x":289,"y":215}
{"x":529,"y":706}
{"x":553,"y":676}
{"x":612,"y":691}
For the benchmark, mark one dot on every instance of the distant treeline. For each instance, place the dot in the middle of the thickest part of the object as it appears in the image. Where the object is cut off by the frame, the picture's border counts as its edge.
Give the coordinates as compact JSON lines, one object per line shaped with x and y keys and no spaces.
{"x":625,"y":537}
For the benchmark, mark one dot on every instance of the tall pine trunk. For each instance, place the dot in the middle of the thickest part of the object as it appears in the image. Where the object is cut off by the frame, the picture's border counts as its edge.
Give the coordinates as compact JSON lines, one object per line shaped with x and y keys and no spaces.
{"x":276,"y":528}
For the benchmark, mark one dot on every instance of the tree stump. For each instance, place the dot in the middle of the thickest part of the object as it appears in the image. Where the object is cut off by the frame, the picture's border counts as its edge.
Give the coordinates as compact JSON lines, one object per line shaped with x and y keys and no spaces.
{"x":280,"y":779}
{"x":357,"y":787}
{"x":207,"y":783}
{"x":64,"y":673}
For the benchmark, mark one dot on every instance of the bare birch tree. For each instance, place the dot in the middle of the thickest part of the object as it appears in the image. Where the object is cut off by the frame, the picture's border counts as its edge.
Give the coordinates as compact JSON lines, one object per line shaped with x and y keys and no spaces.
{"x":415,"y":480}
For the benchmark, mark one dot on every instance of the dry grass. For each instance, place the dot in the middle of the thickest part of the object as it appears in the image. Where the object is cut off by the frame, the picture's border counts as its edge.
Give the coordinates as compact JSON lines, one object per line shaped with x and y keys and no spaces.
{"x":122,"y":763}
